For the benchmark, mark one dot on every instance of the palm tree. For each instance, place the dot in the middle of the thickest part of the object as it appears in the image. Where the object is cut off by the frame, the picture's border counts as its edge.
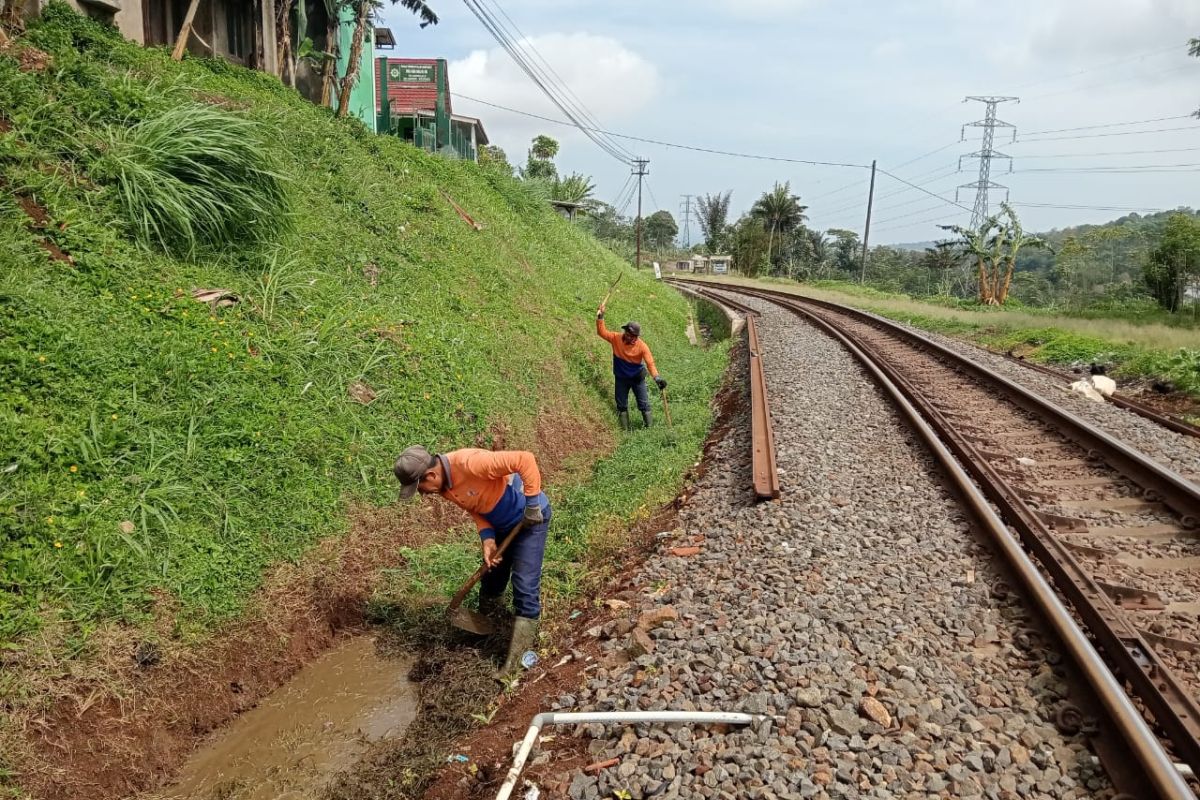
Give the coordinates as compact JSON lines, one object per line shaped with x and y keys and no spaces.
{"x":780,"y":212}
{"x":714,"y":219}
{"x":364,"y":10}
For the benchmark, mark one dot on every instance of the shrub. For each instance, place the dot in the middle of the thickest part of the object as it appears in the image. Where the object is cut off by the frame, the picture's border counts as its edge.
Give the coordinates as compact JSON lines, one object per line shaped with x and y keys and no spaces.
{"x":194,"y":178}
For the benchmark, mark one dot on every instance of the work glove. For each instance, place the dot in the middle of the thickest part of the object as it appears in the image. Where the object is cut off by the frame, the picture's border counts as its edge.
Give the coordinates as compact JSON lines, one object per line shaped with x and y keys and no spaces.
{"x":533,"y":513}
{"x":600,"y":314}
{"x":661,"y":381}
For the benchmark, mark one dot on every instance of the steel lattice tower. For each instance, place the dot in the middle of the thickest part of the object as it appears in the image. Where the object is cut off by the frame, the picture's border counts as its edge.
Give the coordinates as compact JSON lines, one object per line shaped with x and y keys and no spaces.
{"x":985,"y":154}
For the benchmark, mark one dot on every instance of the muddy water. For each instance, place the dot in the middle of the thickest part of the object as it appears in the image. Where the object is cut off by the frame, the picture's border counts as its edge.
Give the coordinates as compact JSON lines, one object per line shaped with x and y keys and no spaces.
{"x":292,"y":743}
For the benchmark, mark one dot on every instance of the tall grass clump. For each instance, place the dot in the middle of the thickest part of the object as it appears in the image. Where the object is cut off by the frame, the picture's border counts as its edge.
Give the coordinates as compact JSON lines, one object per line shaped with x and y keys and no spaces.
{"x":196,"y":178}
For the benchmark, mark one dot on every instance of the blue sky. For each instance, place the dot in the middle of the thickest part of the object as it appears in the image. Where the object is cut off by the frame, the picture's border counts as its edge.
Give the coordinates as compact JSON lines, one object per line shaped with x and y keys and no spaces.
{"x":850,"y":81}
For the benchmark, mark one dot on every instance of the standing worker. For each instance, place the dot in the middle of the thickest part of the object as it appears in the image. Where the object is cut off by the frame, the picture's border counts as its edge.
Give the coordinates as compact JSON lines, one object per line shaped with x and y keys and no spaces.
{"x":499,"y":489}
{"x":629,"y":351}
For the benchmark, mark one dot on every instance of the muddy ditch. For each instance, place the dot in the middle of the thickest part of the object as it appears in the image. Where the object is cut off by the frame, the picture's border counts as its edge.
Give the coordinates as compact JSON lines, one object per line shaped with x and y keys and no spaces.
{"x":409,"y":709}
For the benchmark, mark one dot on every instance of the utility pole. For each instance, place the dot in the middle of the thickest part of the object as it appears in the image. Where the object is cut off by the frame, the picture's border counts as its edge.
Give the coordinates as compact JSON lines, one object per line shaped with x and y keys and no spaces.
{"x":862,"y":273}
{"x":687,"y":221}
{"x":640,"y":164}
{"x":985,"y":154}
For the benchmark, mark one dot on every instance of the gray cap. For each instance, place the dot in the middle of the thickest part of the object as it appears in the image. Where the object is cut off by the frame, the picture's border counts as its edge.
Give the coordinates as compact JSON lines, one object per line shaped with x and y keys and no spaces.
{"x":409,"y":467}
{"x":632,"y":327}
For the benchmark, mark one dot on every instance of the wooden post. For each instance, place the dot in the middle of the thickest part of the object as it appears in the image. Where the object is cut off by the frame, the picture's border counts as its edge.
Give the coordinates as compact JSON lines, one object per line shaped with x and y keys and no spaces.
{"x":185,"y":31}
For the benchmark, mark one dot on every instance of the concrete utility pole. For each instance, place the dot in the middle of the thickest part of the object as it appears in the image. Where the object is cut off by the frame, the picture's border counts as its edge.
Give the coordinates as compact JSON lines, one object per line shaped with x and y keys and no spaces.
{"x":687,"y":221}
{"x":862,"y":273}
{"x":640,"y":165}
{"x":985,"y":154}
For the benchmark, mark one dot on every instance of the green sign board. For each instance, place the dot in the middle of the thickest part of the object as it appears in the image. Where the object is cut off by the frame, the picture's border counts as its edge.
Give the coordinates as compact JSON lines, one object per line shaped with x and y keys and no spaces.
{"x":411,"y":73}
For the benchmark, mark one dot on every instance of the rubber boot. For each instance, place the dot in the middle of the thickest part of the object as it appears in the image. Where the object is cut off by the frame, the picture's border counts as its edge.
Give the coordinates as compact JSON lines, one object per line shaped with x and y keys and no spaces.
{"x":623,"y":417}
{"x":647,"y":420}
{"x":524,"y":639}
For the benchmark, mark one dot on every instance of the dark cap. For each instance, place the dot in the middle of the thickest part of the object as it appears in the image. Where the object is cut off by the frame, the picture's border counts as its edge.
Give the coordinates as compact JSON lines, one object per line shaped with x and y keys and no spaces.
{"x":632,"y":327}
{"x":409,"y":467}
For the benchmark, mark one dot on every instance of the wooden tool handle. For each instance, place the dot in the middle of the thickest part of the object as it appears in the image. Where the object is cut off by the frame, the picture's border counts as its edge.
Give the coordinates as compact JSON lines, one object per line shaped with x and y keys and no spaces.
{"x":461,"y":594}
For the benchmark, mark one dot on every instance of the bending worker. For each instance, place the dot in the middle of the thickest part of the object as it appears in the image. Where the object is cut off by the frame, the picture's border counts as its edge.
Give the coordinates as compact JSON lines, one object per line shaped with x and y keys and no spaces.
{"x":499,"y":489}
{"x":629,"y":351}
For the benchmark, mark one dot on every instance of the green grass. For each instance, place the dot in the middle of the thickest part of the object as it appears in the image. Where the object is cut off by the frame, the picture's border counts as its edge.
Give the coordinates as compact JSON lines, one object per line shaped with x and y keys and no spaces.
{"x":1147,"y":350}
{"x":156,"y":447}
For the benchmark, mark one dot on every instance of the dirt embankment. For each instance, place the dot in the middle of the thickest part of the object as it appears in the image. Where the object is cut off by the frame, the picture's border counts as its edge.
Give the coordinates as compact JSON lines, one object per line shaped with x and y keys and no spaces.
{"x":126,"y":721}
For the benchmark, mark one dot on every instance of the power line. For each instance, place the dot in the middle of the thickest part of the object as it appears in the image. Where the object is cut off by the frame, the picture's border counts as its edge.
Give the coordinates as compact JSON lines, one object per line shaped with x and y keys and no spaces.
{"x":621,"y":191}
{"x":1106,"y":65}
{"x":1115,"y":153}
{"x":579,"y":103}
{"x":675,"y":145}
{"x":926,"y":155}
{"x":1110,"y":125}
{"x":1111,"y":83}
{"x":527,"y":43}
{"x":1086,"y":207}
{"x":1106,"y":135}
{"x":653,"y":199}
{"x":918,"y":212}
{"x":926,"y":191}
{"x":941,"y":219}
{"x":539,"y":78}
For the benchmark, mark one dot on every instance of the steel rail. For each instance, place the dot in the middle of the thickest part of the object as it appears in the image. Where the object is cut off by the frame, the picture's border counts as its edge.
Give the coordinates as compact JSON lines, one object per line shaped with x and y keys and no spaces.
{"x":1172,"y":707}
{"x":764,"y":473}
{"x":762,"y":436}
{"x":1120,"y":401}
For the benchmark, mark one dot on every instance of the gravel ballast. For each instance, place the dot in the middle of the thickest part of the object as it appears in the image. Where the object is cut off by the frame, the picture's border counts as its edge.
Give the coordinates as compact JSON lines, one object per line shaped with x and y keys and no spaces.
{"x":857,"y":612}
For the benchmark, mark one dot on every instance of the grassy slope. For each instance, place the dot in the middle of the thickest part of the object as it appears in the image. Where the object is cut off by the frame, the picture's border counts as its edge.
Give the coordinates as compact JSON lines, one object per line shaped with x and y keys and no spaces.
{"x":229,"y":439}
{"x":1138,"y":350}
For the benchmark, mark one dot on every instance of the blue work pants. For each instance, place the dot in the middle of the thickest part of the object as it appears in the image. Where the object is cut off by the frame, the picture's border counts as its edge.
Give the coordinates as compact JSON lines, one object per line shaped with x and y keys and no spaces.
{"x":522,"y":563}
{"x":638,"y":385}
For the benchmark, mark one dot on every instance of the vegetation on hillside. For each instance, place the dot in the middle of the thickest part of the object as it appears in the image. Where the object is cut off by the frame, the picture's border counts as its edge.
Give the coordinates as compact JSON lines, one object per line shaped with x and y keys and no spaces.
{"x":162,"y":452}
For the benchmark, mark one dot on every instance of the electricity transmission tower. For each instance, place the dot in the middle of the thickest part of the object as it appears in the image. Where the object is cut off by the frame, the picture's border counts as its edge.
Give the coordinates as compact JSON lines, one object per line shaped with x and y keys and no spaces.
{"x":687,"y":221}
{"x":985,"y":154}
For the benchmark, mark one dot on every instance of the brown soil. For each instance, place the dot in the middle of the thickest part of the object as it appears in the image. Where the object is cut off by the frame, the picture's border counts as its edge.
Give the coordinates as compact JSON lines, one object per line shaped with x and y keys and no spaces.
{"x":490,"y":748}
{"x":31,"y":59}
{"x":5,"y":125}
{"x":116,"y":728}
{"x":39,"y":219}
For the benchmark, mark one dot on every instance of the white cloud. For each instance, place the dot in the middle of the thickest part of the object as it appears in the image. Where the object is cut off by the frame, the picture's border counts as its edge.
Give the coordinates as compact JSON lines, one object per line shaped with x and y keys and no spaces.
{"x":609,"y":79}
{"x":888,"y":49}
{"x":1099,"y":28}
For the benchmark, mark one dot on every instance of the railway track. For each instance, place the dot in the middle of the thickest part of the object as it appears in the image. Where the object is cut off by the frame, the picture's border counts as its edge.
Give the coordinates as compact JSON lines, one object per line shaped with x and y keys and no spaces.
{"x":1113,"y":531}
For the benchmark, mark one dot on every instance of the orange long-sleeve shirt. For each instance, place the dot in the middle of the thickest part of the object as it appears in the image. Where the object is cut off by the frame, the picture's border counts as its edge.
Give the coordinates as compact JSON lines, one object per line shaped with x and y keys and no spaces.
{"x":627,"y":359}
{"x":492,"y":486}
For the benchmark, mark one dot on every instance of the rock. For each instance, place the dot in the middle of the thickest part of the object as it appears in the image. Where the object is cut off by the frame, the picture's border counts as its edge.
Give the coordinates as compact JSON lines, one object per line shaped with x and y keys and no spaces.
{"x":640,"y":643}
{"x":875,"y":711}
{"x":684,"y":552}
{"x":656,"y":617}
{"x":809,"y":697}
{"x":845,"y":722}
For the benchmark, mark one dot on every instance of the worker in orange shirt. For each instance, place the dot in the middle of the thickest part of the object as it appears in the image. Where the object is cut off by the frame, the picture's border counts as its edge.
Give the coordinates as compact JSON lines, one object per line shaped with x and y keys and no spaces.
{"x":498,"y":489}
{"x":629,"y":353}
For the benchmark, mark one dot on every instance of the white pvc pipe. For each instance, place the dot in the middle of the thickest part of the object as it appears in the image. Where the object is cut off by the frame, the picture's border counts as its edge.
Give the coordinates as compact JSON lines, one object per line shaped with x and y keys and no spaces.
{"x":585,"y":717}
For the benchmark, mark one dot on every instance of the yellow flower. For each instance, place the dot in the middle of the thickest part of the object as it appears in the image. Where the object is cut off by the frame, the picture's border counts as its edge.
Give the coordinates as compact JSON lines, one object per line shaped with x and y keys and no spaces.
{"x":114,"y":416}
{"x":222,"y":322}
{"x":81,"y":493}
{"x":213,"y":349}
{"x":41,"y":359}
{"x":133,"y":297}
{"x":58,"y":544}
{"x":230,"y":355}
{"x":185,"y":313}
{"x":74,"y":468}
{"x":49,"y":520}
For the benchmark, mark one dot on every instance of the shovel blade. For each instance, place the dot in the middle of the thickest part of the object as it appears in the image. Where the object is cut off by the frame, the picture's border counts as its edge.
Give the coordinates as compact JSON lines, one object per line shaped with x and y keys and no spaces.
{"x":471,"y":621}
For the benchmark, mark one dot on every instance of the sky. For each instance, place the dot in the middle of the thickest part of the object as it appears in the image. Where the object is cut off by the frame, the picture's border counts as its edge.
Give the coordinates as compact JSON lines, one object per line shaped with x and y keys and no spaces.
{"x":848,"y":82}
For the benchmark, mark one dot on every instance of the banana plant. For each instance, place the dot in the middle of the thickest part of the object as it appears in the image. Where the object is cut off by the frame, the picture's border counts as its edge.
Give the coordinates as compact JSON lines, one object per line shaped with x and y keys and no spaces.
{"x":364,"y":12}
